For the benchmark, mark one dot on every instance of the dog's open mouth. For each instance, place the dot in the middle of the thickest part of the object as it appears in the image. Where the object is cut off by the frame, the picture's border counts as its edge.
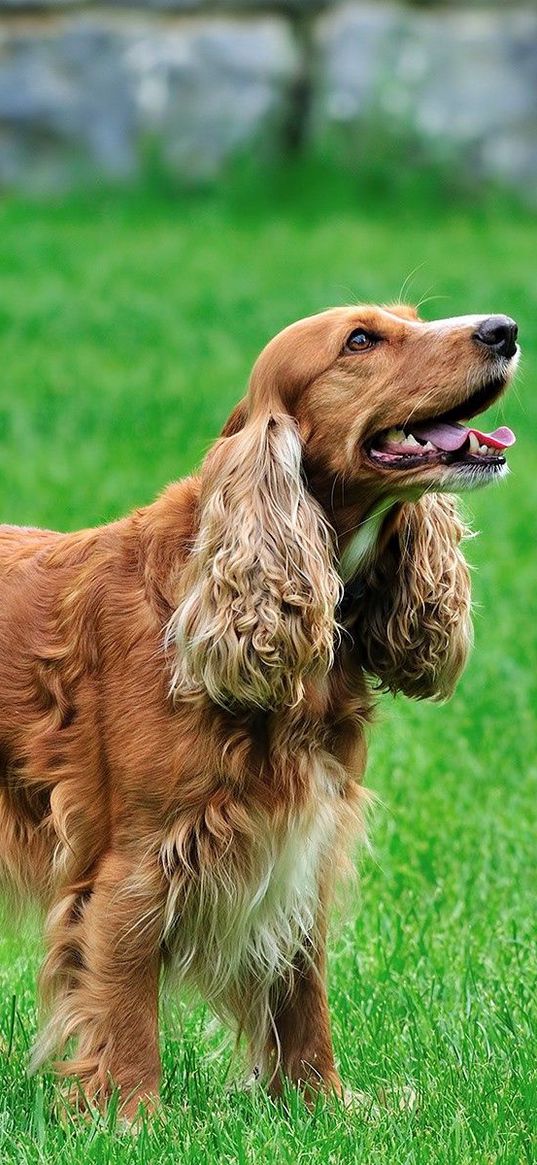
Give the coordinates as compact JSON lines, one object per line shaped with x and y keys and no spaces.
{"x":445,"y":440}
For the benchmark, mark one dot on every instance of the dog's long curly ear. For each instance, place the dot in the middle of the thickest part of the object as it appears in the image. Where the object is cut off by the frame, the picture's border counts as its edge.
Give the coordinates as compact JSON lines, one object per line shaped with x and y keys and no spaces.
{"x":256,"y":614}
{"x":413,"y":628}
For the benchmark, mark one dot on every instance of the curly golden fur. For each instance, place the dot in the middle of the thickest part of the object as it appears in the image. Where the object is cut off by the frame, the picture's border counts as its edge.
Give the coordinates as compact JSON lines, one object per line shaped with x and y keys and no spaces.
{"x":415,"y":637}
{"x":258,"y":595}
{"x":185,"y":694}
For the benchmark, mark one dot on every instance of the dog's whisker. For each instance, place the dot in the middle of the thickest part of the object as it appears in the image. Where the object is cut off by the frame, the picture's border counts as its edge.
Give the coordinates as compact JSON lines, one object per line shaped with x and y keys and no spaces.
{"x":406,"y":282}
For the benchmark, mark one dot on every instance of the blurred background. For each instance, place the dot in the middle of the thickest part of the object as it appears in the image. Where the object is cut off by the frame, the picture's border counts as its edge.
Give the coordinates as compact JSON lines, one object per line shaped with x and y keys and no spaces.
{"x":179,"y":179}
{"x":91,"y":89}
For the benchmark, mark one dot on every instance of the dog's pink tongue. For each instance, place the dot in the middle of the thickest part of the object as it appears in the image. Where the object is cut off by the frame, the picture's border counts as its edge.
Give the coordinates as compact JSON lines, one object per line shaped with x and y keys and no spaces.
{"x":448,"y":438}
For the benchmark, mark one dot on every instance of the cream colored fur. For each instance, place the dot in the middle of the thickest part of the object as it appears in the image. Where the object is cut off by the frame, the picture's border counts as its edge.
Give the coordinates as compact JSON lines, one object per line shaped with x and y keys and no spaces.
{"x":234,"y":931}
{"x":256,"y":613}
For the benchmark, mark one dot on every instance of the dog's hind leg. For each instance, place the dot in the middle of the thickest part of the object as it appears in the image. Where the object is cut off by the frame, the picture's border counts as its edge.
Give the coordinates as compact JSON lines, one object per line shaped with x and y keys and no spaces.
{"x":26,"y":841}
{"x":103,"y":972}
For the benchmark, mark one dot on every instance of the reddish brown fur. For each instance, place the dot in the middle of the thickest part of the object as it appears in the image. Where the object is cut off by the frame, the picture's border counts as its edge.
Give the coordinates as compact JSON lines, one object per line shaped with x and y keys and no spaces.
{"x":123,"y":806}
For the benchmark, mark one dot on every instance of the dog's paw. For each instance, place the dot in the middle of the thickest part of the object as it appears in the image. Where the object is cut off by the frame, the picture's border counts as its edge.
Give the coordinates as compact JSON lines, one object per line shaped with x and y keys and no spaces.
{"x":404,"y":1099}
{"x":253,"y":1079}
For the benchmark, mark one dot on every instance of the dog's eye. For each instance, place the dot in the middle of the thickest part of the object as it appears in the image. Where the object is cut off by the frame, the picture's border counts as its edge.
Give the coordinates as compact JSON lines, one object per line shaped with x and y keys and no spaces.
{"x":360,"y":341}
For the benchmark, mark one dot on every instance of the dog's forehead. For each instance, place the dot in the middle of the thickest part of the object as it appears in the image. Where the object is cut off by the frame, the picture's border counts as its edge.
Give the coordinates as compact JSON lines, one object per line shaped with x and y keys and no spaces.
{"x":313,"y":343}
{"x":306,"y":348}
{"x":403,"y":311}
{"x":366,"y":315}
{"x":328,"y":327}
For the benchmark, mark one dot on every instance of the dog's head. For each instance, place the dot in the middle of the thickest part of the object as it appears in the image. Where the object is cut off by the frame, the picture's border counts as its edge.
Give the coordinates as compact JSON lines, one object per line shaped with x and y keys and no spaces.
{"x":383,"y":399}
{"x":364,"y":403}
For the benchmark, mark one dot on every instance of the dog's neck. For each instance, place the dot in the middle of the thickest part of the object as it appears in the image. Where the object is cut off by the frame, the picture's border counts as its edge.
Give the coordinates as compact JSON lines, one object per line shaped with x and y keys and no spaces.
{"x":360,"y":550}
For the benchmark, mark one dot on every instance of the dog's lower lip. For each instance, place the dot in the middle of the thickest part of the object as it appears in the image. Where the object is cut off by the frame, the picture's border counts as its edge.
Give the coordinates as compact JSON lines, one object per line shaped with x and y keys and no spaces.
{"x":396,"y":450}
{"x":422,"y":461}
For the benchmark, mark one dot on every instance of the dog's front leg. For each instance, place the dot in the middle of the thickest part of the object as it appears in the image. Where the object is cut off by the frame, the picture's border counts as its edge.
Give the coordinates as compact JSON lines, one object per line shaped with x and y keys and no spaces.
{"x":299,"y":1049}
{"x":103,"y":965}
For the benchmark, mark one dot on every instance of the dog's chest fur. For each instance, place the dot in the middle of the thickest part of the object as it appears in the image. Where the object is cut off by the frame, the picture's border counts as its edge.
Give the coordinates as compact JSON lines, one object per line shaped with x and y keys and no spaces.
{"x":236,"y":924}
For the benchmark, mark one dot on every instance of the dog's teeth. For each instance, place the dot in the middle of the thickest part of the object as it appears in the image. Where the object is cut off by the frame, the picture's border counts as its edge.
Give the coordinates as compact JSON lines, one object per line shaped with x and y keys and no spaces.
{"x":411,"y":441}
{"x":474,"y":444}
{"x":395,"y":435}
{"x":483,"y":448}
{"x":429,"y":447}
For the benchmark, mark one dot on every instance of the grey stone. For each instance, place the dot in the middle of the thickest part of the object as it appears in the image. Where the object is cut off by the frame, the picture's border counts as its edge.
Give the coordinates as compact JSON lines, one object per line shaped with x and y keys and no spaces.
{"x":84,"y":85}
{"x":356,"y":50}
{"x":465,"y":81}
{"x":466,"y":74}
{"x":14,"y":6}
{"x":226,"y":7}
{"x":211,"y":87}
{"x":79,"y":96}
{"x":214,"y":7}
{"x":66,"y":104}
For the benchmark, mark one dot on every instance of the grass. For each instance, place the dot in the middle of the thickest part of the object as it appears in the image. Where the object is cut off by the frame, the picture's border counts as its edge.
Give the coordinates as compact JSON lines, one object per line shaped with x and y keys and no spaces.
{"x":128,"y":326}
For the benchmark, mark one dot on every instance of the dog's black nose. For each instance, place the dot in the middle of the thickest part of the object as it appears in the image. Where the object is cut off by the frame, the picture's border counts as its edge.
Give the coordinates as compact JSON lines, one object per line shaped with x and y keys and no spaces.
{"x":499,"y":333}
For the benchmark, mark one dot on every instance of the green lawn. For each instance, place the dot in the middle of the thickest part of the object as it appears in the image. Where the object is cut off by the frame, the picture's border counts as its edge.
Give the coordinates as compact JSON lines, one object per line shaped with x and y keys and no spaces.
{"x":128,"y":326}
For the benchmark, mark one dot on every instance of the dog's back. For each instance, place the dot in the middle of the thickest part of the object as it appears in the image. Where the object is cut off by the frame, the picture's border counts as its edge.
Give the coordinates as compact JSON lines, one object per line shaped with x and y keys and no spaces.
{"x":27,"y":600}
{"x":38,"y":577}
{"x":81,"y":626}
{"x":24,"y":853}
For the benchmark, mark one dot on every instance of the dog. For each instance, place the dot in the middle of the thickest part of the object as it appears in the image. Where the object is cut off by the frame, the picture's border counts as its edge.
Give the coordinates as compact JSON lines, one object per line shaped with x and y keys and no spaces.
{"x":185,"y":692}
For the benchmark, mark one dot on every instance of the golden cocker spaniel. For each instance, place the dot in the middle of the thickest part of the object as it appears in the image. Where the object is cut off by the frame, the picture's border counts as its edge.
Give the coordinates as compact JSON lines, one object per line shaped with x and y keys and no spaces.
{"x":184,"y":692}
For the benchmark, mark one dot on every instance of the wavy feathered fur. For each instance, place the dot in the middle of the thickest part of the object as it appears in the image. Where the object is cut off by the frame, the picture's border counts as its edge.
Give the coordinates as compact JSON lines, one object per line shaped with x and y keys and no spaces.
{"x":413,"y":629}
{"x":198,"y":825}
{"x":256,"y":616}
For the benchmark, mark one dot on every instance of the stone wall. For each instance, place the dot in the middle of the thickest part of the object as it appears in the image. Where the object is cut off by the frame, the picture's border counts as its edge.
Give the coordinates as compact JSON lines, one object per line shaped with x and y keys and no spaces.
{"x":92,"y":89}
